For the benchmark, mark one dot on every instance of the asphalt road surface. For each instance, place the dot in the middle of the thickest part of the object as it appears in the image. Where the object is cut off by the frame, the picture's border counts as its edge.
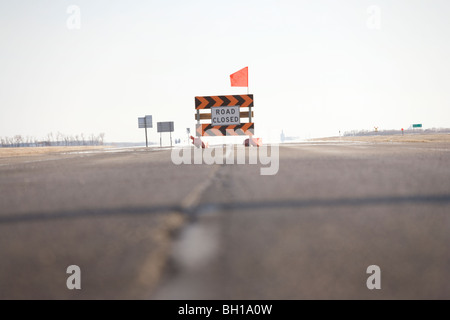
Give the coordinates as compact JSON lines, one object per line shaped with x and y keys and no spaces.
{"x":141,"y":227}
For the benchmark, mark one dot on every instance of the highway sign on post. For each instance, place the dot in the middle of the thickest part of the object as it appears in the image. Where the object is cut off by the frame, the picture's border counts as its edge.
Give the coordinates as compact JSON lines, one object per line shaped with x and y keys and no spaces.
{"x":165,"y":127}
{"x":145,"y":122}
{"x":418,"y":125}
{"x":224,"y":113}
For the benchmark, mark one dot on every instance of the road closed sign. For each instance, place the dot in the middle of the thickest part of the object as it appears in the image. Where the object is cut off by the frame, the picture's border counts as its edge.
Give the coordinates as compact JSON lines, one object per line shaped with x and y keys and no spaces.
{"x":225,"y":116}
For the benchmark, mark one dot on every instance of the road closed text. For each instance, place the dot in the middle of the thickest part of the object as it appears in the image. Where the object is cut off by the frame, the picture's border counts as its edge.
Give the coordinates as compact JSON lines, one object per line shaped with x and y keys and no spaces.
{"x":225,"y":116}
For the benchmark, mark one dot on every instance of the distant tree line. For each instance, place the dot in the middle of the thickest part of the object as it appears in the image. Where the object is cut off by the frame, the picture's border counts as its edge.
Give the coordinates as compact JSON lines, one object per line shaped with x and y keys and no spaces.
{"x":394,"y":132}
{"x":52,"y":139}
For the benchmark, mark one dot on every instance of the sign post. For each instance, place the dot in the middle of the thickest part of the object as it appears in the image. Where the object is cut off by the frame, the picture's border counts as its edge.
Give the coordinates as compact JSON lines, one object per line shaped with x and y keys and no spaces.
{"x":145,"y":122}
{"x":146,"y":139}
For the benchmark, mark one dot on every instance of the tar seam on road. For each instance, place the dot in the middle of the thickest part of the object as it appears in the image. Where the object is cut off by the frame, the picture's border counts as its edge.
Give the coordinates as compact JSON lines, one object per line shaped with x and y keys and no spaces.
{"x":190,"y":206}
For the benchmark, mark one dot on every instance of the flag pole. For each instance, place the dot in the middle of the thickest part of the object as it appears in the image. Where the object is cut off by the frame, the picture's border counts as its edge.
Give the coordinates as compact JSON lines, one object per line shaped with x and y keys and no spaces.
{"x":250,"y":116}
{"x":247,"y":81}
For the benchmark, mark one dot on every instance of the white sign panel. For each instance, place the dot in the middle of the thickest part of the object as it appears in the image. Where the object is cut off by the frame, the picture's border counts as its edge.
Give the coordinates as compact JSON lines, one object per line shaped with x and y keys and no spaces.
{"x":225,"y":116}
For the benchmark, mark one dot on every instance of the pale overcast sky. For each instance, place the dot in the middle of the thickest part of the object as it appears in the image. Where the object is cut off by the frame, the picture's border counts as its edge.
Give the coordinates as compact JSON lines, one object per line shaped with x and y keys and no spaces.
{"x":315,"y":67}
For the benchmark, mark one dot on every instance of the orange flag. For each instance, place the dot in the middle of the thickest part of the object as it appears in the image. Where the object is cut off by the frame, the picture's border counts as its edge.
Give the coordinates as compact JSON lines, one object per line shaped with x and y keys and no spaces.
{"x":240,"y":78}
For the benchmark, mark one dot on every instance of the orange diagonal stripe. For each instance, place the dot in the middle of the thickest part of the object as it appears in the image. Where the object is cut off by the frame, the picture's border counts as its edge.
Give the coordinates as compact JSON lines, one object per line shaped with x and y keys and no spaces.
{"x":203,"y":103}
{"x":230,"y":130}
{"x":233,"y":100}
{"x":246,"y":126}
{"x":205,"y":133}
{"x":218,"y":101}
{"x":247,"y":102}
{"x":215,"y":130}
